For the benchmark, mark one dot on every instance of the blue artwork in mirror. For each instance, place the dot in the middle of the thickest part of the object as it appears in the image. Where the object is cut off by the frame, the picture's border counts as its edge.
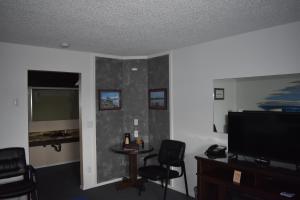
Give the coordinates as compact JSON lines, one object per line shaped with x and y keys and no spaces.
{"x":286,"y":99}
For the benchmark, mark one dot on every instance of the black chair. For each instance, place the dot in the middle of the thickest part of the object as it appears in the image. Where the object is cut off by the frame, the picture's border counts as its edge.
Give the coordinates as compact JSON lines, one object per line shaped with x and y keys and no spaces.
{"x":13,"y":165}
{"x":171,"y":154}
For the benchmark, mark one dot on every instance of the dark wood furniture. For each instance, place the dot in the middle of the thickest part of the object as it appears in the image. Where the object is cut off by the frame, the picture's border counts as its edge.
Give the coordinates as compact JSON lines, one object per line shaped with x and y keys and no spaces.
{"x":215,"y":180}
{"x":132,"y":181}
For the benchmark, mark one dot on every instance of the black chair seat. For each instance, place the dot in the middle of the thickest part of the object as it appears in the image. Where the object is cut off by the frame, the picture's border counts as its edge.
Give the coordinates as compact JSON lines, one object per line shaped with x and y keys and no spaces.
{"x":155,"y":173}
{"x":15,"y":189}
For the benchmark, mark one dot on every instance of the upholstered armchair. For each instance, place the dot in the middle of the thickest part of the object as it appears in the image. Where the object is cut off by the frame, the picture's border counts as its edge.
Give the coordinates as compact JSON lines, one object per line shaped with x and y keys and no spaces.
{"x":16,"y":178}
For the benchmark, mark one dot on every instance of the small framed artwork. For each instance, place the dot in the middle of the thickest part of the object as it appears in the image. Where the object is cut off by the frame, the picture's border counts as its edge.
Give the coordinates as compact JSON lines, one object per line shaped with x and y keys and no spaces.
{"x":219,"y":93}
{"x":158,"y":99}
{"x":237,"y":176}
{"x":109,"y":99}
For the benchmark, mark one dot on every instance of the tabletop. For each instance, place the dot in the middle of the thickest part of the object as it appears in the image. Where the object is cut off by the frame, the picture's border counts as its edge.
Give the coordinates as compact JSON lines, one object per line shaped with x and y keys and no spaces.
{"x":118,"y":148}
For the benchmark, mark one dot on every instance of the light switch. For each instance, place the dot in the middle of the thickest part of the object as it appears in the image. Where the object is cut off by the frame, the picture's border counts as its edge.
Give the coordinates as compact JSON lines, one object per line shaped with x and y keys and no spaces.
{"x":136,"y":133}
{"x":16,"y":102}
{"x":135,"y":122}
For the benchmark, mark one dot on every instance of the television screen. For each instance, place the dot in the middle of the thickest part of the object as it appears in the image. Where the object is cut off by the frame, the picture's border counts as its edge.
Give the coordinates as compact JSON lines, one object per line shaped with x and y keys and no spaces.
{"x":268,"y":135}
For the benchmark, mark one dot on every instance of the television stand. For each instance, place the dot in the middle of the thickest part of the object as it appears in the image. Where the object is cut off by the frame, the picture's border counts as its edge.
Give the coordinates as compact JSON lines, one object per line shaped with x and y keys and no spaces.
{"x":215,"y":180}
{"x":261,"y":162}
{"x":233,"y":156}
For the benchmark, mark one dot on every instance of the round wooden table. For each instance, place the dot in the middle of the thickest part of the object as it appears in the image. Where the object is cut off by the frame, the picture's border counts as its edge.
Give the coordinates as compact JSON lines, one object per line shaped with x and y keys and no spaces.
{"x":132,"y":181}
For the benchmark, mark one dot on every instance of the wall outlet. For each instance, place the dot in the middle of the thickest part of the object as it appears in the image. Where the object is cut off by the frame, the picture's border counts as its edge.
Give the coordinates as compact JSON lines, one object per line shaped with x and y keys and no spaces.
{"x":123,"y":163}
{"x":16,"y":101}
{"x":135,"y":122}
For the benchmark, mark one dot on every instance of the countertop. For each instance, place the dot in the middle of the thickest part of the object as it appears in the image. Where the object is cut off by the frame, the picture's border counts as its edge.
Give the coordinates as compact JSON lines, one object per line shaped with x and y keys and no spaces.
{"x":44,"y":138}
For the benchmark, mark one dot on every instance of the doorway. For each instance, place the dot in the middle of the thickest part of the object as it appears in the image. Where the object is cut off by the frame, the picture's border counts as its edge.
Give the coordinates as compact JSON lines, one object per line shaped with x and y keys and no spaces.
{"x":53,"y":120}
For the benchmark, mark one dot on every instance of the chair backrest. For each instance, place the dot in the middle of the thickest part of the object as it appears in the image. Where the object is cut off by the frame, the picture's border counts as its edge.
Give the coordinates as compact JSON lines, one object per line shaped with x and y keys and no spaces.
{"x":12,"y":162}
{"x":171,"y":152}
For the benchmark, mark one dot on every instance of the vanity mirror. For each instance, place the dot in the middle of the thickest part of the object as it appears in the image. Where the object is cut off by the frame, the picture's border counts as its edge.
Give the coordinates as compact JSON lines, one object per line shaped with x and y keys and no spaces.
{"x":268,"y":93}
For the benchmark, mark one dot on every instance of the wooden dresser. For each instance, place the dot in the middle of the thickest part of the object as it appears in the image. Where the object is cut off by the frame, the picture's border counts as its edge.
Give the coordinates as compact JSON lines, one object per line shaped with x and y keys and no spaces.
{"x":215,"y":180}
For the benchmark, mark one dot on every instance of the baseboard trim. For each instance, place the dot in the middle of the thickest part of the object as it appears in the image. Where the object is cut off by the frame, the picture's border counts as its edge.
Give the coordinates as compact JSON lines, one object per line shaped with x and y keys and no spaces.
{"x":101,"y":183}
{"x":108,"y":182}
{"x":55,"y":164}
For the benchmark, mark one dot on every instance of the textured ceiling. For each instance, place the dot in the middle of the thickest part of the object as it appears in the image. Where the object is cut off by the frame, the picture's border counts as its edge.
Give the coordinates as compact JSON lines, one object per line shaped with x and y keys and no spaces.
{"x":136,"y":27}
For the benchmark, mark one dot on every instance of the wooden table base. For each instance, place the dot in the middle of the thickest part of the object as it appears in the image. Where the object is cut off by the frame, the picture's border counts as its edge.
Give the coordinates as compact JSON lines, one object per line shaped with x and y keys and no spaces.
{"x":132,"y":181}
{"x":127,"y":182}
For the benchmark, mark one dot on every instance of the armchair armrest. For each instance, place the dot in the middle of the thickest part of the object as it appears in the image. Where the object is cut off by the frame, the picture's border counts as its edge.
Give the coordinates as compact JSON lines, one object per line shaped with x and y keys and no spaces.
{"x":182,"y":166}
{"x":148,"y":157}
{"x":31,"y":173}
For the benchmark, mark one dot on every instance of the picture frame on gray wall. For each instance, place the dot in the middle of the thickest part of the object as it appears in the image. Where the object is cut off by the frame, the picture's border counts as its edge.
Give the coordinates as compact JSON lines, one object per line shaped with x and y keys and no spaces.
{"x":158,"y":99}
{"x":109,"y":99}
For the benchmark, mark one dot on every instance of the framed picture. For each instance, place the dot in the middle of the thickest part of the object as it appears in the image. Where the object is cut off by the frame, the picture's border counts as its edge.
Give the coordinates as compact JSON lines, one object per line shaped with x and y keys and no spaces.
{"x":158,"y":99}
{"x":109,"y":99}
{"x":219,"y":93}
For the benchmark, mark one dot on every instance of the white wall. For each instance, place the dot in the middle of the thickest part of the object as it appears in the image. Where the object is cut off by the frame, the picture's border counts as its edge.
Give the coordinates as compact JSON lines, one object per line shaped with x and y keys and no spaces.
{"x":40,"y":156}
{"x":15,"y":61}
{"x":221,"y":107}
{"x":265,"y":52}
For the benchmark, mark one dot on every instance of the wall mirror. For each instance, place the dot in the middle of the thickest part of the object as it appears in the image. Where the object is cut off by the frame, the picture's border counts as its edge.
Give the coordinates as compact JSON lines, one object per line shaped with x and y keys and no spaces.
{"x":50,"y":104}
{"x":266,"y":93}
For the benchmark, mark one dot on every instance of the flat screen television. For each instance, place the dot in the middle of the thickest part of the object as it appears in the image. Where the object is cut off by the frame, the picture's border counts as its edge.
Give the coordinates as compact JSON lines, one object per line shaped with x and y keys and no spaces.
{"x":267,"y":135}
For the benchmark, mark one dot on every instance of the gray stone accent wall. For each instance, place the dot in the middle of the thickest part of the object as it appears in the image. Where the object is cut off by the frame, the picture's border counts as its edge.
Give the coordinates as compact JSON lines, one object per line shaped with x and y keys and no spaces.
{"x":135,"y":99}
{"x":111,"y":125}
{"x":159,"y":120}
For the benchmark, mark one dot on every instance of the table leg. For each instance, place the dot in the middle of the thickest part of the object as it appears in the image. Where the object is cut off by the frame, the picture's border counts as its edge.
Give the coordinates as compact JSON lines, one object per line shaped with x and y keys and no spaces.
{"x":132,"y":181}
{"x":133,"y":166}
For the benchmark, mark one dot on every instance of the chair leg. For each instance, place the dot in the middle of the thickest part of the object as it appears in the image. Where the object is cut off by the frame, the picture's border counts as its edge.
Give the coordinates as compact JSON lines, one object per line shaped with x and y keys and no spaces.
{"x":36,"y":195}
{"x":142,"y":186}
{"x":185,"y":181}
{"x":140,"y":190}
{"x":166,"y":183}
{"x":28,"y":196}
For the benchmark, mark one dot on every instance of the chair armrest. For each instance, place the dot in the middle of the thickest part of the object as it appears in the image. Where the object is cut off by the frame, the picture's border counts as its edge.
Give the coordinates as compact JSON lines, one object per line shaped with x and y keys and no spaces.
{"x":182,"y":166}
{"x":31,"y":173}
{"x":148,"y":157}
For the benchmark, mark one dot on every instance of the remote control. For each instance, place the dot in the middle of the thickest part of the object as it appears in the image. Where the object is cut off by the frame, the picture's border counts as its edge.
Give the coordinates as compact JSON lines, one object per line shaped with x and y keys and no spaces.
{"x":287,"y":194}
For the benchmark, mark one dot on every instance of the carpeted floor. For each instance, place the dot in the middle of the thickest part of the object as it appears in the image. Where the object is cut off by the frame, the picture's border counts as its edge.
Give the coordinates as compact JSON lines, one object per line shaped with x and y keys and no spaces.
{"x":62,"y":183}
